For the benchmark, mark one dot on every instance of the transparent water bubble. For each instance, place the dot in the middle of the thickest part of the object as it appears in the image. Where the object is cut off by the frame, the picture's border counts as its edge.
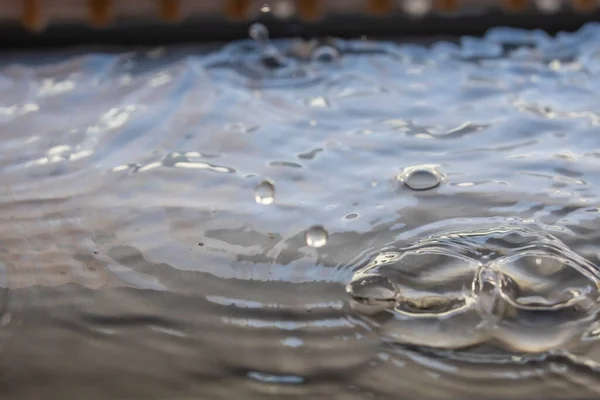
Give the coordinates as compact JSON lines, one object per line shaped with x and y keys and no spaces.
{"x":325,"y":54}
{"x":259,"y":33}
{"x":264,"y":193}
{"x":420,"y":177}
{"x":316,"y":236}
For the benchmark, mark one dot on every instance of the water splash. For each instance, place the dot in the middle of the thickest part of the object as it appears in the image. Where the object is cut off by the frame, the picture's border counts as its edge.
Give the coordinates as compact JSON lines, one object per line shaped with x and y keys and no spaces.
{"x":515,"y":287}
{"x":127,"y":217}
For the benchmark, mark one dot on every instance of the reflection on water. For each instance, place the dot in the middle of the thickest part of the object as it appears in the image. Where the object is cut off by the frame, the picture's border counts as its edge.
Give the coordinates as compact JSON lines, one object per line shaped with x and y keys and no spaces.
{"x":282,"y":219}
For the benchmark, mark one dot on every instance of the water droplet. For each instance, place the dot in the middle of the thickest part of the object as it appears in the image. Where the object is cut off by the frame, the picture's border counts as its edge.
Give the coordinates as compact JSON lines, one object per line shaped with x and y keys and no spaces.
{"x":316,"y":236}
{"x":325,"y":54}
{"x":259,"y":33}
{"x":420,"y":178}
{"x":264,"y":193}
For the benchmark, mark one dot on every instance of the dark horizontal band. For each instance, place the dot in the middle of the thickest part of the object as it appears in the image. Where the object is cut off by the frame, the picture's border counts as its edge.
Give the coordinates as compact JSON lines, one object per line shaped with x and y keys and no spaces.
{"x":14,"y":34}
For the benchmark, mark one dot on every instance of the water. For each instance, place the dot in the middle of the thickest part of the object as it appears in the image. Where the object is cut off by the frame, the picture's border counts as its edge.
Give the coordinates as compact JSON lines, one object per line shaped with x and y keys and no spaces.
{"x":325,"y":54}
{"x":420,"y":177}
{"x":316,"y":236}
{"x":455,"y":185}
{"x":259,"y":33}
{"x":264,"y":193}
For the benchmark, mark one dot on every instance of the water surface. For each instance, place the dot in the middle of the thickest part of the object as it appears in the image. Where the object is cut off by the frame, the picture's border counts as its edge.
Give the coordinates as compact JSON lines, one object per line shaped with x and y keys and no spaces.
{"x":187,"y":223}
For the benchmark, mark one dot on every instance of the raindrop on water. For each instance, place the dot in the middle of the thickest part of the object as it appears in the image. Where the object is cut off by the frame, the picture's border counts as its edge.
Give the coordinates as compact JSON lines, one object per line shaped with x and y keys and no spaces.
{"x":325,"y":54}
{"x":316,"y":236}
{"x":264,"y":193}
{"x":420,"y":178}
{"x":259,"y":33}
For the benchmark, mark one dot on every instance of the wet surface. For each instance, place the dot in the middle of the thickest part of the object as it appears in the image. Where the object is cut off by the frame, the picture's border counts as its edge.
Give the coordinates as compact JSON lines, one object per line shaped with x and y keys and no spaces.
{"x":335,"y":220}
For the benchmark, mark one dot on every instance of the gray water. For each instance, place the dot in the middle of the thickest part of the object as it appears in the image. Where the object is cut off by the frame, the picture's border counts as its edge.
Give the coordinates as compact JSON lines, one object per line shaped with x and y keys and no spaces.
{"x":288,"y":219}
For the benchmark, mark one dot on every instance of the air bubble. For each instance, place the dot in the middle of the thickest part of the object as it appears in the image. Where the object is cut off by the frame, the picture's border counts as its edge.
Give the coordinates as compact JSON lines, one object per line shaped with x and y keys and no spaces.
{"x":420,"y":178}
{"x":316,"y":236}
{"x":325,"y":54}
{"x":264,"y":193}
{"x":259,"y":33}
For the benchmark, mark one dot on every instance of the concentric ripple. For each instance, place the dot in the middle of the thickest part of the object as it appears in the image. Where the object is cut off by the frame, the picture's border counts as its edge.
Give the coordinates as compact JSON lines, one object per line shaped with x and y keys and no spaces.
{"x":516,"y":288}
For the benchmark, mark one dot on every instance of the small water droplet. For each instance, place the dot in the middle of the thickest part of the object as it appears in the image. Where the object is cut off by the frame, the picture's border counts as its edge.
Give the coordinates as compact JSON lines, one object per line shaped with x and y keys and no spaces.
{"x":316,"y":236}
{"x":420,"y":178}
{"x":259,"y":33}
{"x":264,"y":193}
{"x":325,"y":54}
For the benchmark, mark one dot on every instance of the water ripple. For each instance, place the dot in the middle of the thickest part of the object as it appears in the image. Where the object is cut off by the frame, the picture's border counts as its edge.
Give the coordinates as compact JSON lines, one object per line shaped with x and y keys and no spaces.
{"x":183,"y":222}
